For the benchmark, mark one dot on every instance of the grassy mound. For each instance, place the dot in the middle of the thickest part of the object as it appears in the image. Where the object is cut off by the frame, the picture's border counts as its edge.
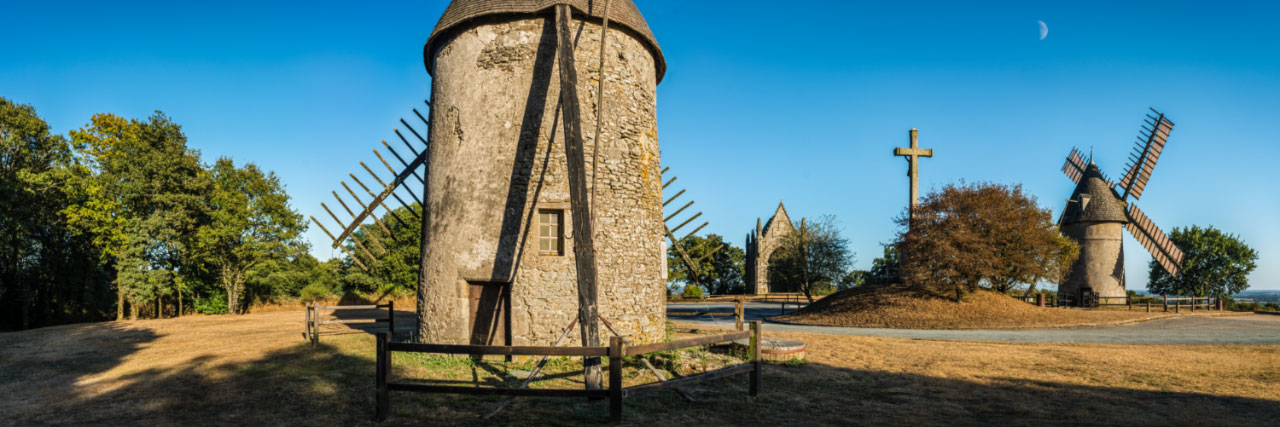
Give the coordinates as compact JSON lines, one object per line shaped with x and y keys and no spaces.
{"x":900,"y":307}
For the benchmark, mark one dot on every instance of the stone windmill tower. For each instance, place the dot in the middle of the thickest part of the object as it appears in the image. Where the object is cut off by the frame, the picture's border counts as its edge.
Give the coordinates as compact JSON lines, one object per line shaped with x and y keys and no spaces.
{"x":1098,"y":211}
{"x":498,"y":260}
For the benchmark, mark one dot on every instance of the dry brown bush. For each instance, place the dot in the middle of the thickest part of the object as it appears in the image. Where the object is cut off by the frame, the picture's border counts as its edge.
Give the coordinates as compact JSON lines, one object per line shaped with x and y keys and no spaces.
{"x":967,"y":236}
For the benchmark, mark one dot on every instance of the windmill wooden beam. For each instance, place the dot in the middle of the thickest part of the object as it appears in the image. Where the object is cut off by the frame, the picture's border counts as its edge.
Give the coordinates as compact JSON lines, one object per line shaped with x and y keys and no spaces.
{"x":377,"y":199}
{"x":575,"y":155}
{"x":690,"y":264}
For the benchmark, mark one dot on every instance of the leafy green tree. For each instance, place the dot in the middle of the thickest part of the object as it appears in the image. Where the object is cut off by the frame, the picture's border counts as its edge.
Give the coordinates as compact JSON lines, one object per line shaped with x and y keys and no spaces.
{"x":886,"y":269}
{"x":813,"y":257}
{"x":251,"y":222}
{"x":114,"y":213}
{"x":394,"y":272}
{"x":97,"y":208}
{"x":47,"y":273}
{"x":967,"y":236}
{"x":721,"y":273}
{"x":1215,"y":264}
{"x":854,"y":278}
{"x":149,"y":202}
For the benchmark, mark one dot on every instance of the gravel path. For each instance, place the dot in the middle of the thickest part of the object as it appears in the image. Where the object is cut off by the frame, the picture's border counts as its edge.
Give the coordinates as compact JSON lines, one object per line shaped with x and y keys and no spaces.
{"x":1255,"y":329}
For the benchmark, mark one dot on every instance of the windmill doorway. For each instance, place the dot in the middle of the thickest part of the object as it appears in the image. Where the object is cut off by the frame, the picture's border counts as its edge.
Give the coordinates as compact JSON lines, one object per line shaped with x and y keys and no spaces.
{"x":490,"y":313}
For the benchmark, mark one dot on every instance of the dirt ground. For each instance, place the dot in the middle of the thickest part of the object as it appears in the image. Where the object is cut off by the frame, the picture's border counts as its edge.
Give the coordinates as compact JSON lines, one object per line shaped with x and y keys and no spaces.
{"x":257,"y":370}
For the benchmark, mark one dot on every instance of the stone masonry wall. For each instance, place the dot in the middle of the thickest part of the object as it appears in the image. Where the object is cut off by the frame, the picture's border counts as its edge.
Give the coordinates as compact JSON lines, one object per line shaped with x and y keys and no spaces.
{"x":1101,"y":262}
{"x":497,"y":156}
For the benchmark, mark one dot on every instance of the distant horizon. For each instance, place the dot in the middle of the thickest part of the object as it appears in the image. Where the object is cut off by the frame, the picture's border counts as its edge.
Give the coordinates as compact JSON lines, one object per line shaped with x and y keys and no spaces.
{"x":808,"y":111}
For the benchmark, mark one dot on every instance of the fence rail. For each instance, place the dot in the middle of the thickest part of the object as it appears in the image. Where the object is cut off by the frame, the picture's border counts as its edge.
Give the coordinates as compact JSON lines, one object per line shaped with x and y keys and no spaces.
{"x":313,"y":321}
{"x":739,"y":313}
{"x":616,"y":350}
{"x":1129,"y":301}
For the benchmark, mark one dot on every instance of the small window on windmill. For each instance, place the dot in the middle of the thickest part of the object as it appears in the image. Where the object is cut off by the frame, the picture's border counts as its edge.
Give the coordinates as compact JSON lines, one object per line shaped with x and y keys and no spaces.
{"x":551,"y":232}
{"x":1084,"y":202}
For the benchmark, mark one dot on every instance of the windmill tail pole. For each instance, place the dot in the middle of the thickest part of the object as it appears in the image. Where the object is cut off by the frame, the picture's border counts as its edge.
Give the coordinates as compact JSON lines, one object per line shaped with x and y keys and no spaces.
{"x":584,"y":237}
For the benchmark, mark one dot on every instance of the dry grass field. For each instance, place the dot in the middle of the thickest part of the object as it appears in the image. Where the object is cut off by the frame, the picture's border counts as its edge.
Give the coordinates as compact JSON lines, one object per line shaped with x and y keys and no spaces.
{"x":257,"y":370}
{"x":897,"y":307}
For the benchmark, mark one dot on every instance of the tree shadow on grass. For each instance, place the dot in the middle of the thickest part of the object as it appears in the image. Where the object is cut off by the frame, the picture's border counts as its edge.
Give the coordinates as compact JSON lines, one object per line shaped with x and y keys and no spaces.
{"x":334,"y":385}
{"x":820,"y":394}
{"x":40,"y":367}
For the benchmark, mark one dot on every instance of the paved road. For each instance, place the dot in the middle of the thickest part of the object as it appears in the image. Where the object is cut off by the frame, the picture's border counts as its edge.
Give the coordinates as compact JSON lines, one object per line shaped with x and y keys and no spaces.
{"x":1239,"y":330}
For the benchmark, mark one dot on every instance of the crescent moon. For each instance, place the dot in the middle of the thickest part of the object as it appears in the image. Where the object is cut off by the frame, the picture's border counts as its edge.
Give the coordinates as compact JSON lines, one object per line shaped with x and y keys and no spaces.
{"x":1044,"y":30}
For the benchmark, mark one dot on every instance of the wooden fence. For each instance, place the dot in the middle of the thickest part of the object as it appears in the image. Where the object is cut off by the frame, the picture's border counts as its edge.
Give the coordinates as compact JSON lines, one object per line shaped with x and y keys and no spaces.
{"x":313,"y":318}
{"x":616,"y":350}
{"x":1043,"y":299}
{"x":794,"y":298}
{"x":1128,"y":301}
{"x":1192,"y":303}
{"x":739,"y":313}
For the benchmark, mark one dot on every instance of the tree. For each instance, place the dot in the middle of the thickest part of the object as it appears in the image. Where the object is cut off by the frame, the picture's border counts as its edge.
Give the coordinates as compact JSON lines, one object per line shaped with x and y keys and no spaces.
{"x":1215,"y":264}
{"x":854,"y":278}
{"x":146,"y":203}
{"x":967,"y":236}
{"x":251,"y":223}
{"x":395,"y":272}
{"x":720,"y":272}
{"x":47,"y":273}
{"x":815,"y":255}
{"x":886,"y":269}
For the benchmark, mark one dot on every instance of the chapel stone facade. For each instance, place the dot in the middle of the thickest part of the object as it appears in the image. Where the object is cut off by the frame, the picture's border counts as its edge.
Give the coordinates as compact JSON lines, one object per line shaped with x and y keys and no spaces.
{"x":497,"y":262}
{"x":761,"y":244}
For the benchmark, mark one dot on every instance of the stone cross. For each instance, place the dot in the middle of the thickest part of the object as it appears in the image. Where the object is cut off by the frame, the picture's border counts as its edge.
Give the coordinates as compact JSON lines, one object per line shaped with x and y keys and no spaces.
{"x":912,"y":156}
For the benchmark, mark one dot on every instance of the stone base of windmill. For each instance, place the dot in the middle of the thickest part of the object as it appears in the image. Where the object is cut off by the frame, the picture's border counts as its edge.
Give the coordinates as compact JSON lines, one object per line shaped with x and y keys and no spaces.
{"x":775,"y":349}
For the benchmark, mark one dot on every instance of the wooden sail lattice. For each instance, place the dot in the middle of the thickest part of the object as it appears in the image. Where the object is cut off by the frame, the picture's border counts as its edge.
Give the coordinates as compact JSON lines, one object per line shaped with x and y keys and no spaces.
{"x":1163,"y":250}
{"x":1155,"y":133}
{"x":1074,"y":168}
{"x":690,"y":263}
{"x":398,"y":178}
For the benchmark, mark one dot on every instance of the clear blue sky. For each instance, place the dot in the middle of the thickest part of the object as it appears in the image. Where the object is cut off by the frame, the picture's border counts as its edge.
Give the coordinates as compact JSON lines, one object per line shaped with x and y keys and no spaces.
{"x":763,"y":100}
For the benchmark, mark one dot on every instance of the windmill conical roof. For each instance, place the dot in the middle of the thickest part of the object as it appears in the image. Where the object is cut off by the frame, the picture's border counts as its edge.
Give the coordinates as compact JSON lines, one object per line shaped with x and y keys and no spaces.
{"x":1103,"y":204}
{"x":622,"y":13}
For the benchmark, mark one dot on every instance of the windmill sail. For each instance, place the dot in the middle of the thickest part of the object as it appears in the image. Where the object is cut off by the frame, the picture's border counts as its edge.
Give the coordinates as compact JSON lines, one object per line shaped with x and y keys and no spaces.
{"x":1075,"y":166}
{"x":691,"y":263}
{"x":379,"y":195}
{"x":1163,"y":250}
{"x":1142,"y":161}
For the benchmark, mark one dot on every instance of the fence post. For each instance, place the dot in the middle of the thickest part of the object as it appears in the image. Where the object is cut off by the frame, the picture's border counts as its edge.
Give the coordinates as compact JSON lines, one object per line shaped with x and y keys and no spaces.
{"x":738,"y":314}
{"x":315,"y":325}
{"x":383,"y":374}
{"x":391,"y":319}
{"x":1128,"y":300}
{"x":307,"y":314}
{"x":1165,"y":300}
{"x":1148,"y":306}
{"x":1040,"y":300}
{"x":616,"y":348}
{"x":754,"y":357}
